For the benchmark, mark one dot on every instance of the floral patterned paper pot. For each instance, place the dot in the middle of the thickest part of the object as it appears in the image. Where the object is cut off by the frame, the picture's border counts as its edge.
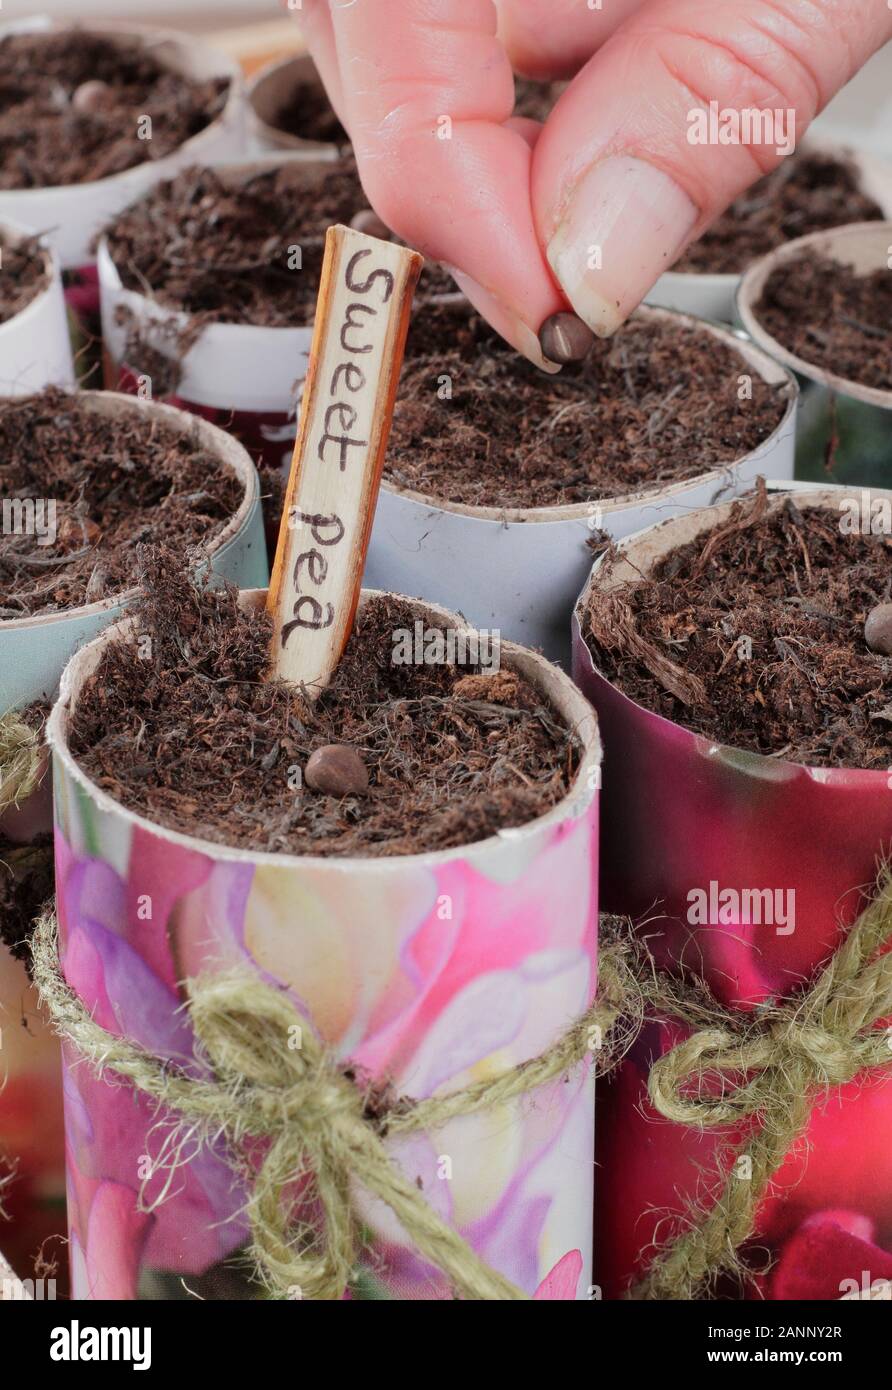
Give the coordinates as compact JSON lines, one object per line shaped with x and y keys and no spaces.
{"x":35,"y":349}
{"x":403,"y":993}
{"x":845,"y":427}
{"x":697,"y":839}
{"x":520,"y":569}
{"x":74,"y":213}
{"x":33,"y":651}
{"x":288,"y":109}
{"x":713,"y":295}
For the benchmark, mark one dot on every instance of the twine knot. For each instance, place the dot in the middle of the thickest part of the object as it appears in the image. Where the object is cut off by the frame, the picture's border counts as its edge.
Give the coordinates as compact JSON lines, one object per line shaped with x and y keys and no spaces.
{"x":323,"y":1133}
{"x":770,"y":1072}
{"x":822,"y":1058}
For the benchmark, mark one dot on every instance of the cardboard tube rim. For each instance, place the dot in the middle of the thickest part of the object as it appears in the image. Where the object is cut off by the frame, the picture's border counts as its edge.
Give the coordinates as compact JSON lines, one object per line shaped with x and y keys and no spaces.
{"x":768,"y":368}
{"x":834,"y":242}
{"x":225,"y":447}
{"x":645,"y":547}
{"x":560,"y":690}
{"x":286,"y":72}
{"x":14,"y":233}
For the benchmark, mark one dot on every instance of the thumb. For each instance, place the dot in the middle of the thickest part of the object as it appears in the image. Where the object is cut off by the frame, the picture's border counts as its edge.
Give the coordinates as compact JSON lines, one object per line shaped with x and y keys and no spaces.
{"x":622,"y":181}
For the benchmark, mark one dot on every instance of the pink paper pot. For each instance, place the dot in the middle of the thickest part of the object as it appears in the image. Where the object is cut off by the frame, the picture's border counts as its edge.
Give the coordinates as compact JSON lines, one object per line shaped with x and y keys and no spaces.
{"x":682,"y":813}
{"x":35,"y":349}
{"x":519,"y":570}
{"x":427,"y":969}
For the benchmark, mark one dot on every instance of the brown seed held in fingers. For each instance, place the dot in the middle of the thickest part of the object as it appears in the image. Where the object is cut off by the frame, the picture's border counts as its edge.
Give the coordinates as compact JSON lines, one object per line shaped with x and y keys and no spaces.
{"x":371,"y":224}
{"x":91,"y":96}
{"x":878,"y":629}
{"x":338,"y":770}
{"x":565,"y":338}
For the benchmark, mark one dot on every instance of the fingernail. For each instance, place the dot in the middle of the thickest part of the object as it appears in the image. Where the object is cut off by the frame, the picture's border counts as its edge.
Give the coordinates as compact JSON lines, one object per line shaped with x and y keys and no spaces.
{"x":504,"y":320}
{"x":625,"y":224}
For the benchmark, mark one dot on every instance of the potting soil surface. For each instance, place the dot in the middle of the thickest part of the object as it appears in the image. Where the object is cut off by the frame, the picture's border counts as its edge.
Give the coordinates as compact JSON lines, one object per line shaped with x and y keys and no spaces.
{"x":82,"y":492}
{"x":753,"y":636}
{"x":197,"y":739}
{"x":831,"y":317}
{"x":808,"y":192}
{"x":54,"y":129}
{"x":475,"y":423}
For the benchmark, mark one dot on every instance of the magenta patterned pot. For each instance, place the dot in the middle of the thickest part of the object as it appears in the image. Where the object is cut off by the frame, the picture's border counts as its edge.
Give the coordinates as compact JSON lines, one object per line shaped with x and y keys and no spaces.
{"x":685,"y":815}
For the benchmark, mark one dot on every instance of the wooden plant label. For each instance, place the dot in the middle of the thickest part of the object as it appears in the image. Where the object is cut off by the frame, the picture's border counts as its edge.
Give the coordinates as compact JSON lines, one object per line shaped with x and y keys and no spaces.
{"x":362,"y":317}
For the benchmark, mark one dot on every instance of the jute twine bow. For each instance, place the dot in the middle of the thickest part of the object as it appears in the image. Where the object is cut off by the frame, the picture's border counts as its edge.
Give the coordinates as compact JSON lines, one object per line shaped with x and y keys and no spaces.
{"x":21,"y":762}
{"x":323,"y":1129}
{"x":772,"y":1071}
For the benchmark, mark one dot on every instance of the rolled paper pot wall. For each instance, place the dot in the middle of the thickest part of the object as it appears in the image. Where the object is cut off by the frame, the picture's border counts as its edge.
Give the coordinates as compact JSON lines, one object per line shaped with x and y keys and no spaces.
{"x":35,"y":349}
{"x":74,"y":214}
{"x":33,"y":652}
{"x":425,"y":970}
{"x":713,"y":295}
{"x":682,"y":813}
{"x":269,"y":93}
{"x":520,"y":570}
{"x":840,"y":422}
{"x":246,"y":378}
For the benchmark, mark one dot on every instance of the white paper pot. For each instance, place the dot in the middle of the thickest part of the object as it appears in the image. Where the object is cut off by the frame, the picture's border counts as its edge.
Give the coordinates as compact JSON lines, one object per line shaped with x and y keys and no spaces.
{"x":859,"y":417}
{"x":712,"y":296}
{"x":246,"y":378}
{"x":34,"y":650}
{"x":520,"y":570}
{"x":268,"y":92}
{"x":35,"y":349}
{"x":427,"y":1001}
{"x":74,"y":214}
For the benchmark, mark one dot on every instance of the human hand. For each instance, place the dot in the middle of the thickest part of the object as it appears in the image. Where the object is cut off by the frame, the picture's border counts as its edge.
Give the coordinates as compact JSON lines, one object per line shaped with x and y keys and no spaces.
{"x":592,"y":207}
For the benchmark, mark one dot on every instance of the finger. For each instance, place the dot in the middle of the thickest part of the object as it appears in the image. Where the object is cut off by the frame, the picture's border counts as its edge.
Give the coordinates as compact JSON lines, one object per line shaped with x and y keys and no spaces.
{"x":314,"y":19}
{"x":554,"y":39}
{"x":427,"y":91}
{"x":620,"y":184}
